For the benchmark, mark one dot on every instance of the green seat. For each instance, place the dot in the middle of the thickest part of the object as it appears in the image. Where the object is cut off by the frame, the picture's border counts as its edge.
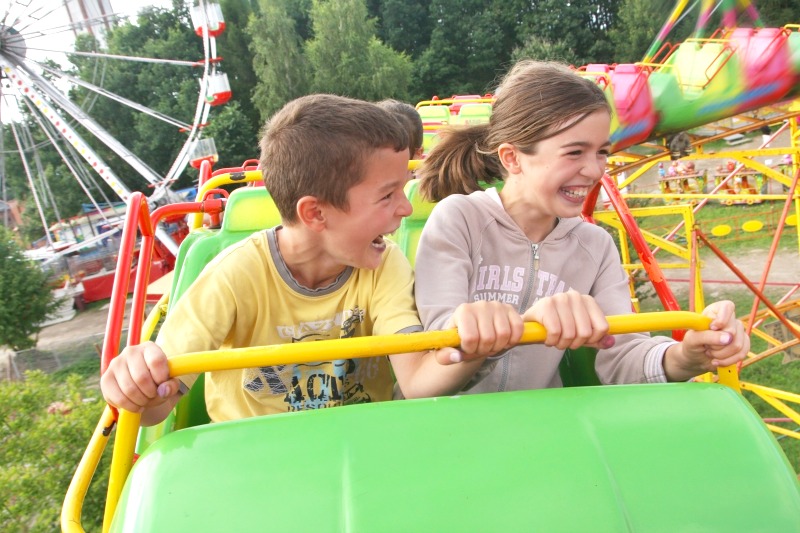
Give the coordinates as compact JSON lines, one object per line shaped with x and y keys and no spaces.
{"x":434,"y":114}
{"x":249,"y":209}
{"x":673,"y":457}
{"x":478,"y":113}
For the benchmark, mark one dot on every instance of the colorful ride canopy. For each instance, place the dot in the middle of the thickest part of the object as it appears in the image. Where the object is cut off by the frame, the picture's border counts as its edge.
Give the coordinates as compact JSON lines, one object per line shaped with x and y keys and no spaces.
{"x":700,"y":80}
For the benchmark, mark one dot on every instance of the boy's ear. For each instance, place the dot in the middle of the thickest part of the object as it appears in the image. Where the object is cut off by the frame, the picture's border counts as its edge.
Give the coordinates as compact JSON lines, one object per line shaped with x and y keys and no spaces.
{"x":509,"y":157}
{"x":310,"y":213}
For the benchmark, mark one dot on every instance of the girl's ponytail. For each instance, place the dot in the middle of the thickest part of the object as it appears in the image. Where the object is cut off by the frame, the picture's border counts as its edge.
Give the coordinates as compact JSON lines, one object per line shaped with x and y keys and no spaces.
{"x":458,"y":163}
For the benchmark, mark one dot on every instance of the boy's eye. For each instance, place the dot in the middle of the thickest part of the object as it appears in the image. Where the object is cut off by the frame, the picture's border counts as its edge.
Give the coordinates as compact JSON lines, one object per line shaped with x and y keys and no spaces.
{"x":388,"y":196}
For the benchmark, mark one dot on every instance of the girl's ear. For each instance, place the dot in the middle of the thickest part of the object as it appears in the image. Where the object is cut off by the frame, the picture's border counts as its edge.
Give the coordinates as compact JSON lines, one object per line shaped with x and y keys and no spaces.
{"x":310,"y":213}
{"x":509,"y":157}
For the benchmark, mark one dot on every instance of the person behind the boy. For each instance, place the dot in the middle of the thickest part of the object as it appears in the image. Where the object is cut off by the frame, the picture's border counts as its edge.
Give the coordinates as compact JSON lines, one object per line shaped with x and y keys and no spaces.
{"x":496,"y":254}
{"x":409,"y":116}
{"x":336,"y":169}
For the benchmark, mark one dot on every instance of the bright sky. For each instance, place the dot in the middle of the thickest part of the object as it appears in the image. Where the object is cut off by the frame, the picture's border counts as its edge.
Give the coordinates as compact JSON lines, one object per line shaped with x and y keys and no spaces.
{"x":54,"y":18}
{"x":42,"y":23}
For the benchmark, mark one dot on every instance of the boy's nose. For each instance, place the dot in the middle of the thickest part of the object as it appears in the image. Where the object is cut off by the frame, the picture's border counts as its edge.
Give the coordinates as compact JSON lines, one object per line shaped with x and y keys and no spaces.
{"x":405,"y":208}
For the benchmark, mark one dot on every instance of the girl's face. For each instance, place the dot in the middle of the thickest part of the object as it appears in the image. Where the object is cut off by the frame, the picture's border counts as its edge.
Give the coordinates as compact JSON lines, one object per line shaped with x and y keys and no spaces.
{"x":554,"y":181}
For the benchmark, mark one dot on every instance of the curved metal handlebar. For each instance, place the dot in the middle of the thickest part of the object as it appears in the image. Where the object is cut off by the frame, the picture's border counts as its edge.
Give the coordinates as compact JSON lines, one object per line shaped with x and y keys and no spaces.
{"x":371,"y":346}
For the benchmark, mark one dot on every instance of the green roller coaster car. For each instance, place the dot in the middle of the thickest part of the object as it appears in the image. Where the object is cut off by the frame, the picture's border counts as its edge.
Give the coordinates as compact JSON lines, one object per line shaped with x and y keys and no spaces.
{"x":672,"y":457}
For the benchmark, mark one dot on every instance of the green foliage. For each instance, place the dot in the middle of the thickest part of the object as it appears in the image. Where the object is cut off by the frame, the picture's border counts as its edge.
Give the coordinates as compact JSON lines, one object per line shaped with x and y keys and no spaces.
{"x":465,"y":54}
{"x":234,"y":47}
{"x":41,"y":443}
{"x":537,"y":48}
{"x":233,"y":136}
{"x":579,"y":25}
{"x":348,"y":59}
{"x":25,"y":298}
{"x":278,"y":59}
{"x":405,"y":25}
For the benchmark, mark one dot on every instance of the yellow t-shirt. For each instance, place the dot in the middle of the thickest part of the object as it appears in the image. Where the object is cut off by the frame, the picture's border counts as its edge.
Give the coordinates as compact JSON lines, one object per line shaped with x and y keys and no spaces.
{"x":247,"y":297}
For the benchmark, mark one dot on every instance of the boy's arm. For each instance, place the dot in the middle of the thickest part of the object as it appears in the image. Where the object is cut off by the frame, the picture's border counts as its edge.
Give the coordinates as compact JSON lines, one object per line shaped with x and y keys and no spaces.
{"x":138,"y":380}
{"x":485,"y":329}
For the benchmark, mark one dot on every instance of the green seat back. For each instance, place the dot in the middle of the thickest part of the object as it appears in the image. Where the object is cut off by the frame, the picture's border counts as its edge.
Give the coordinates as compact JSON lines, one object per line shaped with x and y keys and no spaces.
{"x":248,"y":209}
{"x":407,"y":235}
{"x":672,"y":457}
{"x":434,"y":114}
{"x":477,"y":113}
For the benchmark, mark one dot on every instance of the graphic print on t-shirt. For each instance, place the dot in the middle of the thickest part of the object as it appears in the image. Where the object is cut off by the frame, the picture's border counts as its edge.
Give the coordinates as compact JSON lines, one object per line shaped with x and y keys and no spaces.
{"x":504,"y":283}
{"x":314,"y":385}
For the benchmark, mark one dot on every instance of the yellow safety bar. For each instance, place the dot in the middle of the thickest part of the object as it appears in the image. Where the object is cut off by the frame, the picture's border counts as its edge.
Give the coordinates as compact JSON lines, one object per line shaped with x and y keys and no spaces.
{"x":326,"y":350}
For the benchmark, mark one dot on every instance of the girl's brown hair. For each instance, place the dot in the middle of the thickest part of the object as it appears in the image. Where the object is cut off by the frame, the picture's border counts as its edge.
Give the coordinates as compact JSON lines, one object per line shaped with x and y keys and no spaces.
{"x":536,"y":100}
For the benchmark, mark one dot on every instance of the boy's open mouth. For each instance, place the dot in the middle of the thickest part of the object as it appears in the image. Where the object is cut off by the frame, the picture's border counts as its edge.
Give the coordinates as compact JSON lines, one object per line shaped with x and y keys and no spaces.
{"x":378,"y":241}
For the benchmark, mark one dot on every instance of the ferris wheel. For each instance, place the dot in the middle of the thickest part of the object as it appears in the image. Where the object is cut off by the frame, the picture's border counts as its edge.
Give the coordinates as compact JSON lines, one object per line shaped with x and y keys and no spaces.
{"x":29,"y":28}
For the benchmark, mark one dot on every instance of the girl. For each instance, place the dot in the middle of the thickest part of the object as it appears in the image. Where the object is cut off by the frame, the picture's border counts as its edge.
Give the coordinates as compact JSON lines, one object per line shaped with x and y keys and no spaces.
{"x":487,"y":260}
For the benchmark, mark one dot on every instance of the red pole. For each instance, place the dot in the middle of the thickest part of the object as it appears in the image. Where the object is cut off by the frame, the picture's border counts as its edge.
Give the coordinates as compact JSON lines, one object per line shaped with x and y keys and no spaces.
{"x":773,"y":248}
{"x":137,"y":206}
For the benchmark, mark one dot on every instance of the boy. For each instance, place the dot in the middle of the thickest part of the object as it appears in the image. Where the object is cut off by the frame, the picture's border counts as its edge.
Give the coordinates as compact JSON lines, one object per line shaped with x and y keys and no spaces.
{"x":409,"y":116}
{"x":335,"y":168}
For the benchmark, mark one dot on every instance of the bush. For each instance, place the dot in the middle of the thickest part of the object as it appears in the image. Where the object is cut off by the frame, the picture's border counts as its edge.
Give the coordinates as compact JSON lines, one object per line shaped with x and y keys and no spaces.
{"x":25,"y":297}
{"x":46,"y":427}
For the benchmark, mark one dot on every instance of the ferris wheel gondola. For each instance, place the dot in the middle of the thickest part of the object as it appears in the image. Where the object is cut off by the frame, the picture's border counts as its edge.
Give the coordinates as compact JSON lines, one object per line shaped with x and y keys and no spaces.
{"x":29,"y":81}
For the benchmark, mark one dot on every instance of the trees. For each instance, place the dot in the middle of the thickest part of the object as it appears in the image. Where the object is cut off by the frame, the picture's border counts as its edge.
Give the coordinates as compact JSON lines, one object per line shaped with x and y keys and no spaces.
{"x":341,"y":54}
{"x":348,"y":59}
{"x":47,"y":421}
{"x":278,"y":59}
{"x":25,"y":298}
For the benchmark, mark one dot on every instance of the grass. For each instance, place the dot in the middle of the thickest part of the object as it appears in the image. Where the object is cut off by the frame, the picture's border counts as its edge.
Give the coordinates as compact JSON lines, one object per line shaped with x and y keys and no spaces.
{"x":738,"y":240}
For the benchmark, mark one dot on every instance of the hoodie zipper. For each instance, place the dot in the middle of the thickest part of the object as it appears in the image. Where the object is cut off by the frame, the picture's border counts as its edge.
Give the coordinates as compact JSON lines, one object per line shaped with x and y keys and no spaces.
{"x":535,"y":269}
{"x":506,"y":361}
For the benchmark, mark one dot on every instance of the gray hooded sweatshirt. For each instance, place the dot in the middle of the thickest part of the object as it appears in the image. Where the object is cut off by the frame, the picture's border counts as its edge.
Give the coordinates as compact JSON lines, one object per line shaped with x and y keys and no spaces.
{"x":471,"y":250}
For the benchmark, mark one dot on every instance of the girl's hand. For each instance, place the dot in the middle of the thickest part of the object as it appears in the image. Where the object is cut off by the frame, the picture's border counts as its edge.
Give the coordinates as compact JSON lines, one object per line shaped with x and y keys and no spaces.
{"x":724,"y":344}
{"x":572,"y":320}
{"x":485,"y":328}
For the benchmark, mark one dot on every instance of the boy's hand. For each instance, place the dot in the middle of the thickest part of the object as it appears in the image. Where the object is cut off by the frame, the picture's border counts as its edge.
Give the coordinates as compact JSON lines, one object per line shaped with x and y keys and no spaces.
{"x":572,"y":320}
{"x":138,"y":379}
{"x":724,"y":344}
{"x":485,"y":328}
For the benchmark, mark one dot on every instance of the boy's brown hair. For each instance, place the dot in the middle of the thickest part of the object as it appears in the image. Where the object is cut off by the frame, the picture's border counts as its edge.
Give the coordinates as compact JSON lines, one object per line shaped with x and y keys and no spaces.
{"x":316,"y":146}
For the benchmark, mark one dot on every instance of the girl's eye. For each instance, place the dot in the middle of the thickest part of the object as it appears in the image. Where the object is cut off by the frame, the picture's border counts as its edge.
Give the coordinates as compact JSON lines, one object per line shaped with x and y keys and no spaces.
{"x":575,"y":153}
{"x":603,"y":153}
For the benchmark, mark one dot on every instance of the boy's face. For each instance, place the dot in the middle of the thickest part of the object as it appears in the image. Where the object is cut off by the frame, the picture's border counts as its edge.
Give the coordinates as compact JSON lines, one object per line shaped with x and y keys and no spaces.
{"x":376,"y":206}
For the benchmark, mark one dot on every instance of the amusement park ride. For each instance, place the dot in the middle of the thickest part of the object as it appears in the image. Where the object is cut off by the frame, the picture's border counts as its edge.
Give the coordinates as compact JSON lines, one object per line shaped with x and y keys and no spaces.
{"x":35,"y":85}
{"x":611,"y":458}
